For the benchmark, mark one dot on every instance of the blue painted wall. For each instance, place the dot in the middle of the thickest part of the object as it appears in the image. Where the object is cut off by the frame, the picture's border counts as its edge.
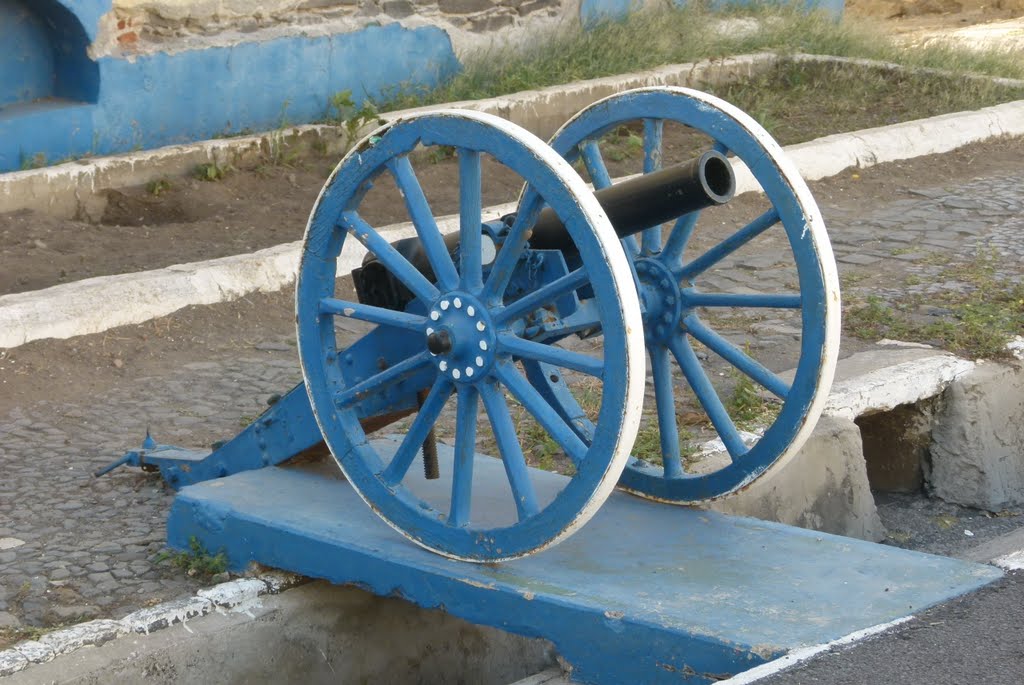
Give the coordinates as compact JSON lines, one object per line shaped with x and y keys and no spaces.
{"x":26,"y":59}
{"x":56,"y":102}
{"x":115,"y":105}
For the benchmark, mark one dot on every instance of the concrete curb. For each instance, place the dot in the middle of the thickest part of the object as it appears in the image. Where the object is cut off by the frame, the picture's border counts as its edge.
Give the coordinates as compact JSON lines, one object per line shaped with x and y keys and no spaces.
{"x":249,"y":630}
{"x":98,"y":304}
{"x":235,"y":594}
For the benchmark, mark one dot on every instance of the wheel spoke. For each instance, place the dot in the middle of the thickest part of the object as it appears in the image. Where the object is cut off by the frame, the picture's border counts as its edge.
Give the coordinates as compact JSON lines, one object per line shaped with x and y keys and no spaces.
{"x":664,"y":397}
{"x":423,"y":220}
{"x":542,"y":296}
{"x":543,"y":412}
{"x":394,"y":262}
{"x":421,"y":425}
{"x":470,"y":219}
{"x":465,"y":449}
{"x":729,"y":245}
{"x":378,"y":382}
{"x":737,"y":357}
{"x":695,"y":299}
{"x":371,"y":314}
{"x":511,"y":452}
{"x":512,"y":247}
{"x":562,"y":358}
{"x":707,"y":396}
{"x":678,"y":237}
{"x":590,"y":153}
{"x":651,"y":241}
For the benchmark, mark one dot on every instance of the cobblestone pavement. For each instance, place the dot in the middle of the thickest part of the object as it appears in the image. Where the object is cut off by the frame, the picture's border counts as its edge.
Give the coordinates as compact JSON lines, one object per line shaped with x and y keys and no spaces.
{"x":74,"y":547}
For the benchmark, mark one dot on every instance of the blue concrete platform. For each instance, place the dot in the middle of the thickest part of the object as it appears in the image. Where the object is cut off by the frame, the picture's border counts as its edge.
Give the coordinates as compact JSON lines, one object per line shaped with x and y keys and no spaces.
{"x":645,"y":593}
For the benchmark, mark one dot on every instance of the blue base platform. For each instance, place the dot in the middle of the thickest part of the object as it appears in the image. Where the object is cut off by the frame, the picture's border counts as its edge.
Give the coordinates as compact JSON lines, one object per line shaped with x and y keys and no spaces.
{"x":644,"y":593}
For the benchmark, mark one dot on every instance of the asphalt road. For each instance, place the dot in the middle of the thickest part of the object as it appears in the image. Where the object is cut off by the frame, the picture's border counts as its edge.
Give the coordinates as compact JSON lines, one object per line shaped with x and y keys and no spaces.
{"x":977,"y":639}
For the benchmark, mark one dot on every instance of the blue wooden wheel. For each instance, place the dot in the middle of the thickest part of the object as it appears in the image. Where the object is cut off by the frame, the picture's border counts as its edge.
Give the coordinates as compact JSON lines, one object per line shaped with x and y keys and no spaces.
{"x":671,"y":273}
{"x":461,"y":348}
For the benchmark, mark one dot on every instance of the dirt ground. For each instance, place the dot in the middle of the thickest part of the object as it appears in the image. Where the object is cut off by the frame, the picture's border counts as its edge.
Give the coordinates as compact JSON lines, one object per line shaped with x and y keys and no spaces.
{"x":185,"y":220}
{"x":909,"y":16}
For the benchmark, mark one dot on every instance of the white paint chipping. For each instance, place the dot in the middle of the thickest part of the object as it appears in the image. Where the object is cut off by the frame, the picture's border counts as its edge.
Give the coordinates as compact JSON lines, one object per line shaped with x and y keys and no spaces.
{"x":890,"y":386}
{"x":12,"y":661}
{"x":235,"y":592}
{"x":36,"y":652}
{"x":84,"y":634}
{"x":233,"y":596}
{"x":167,"y":614}
{"x":1011,"y":562}
{"x":1016,"y":347}
{"x":804,"y":653}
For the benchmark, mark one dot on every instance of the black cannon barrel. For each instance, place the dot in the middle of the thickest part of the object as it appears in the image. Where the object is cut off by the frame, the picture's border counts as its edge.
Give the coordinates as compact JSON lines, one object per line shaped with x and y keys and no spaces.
{"x":645,"y":201}
{"x":632,"y":206}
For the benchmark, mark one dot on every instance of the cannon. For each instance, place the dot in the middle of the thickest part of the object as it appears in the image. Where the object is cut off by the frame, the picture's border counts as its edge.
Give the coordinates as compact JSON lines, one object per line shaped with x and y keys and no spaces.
{"x":536,"y":326}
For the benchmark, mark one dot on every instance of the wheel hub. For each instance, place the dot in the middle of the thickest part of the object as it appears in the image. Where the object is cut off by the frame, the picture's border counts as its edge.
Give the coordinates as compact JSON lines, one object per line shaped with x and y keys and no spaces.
{"x":460,"y":337}
{"x":662,"y":300}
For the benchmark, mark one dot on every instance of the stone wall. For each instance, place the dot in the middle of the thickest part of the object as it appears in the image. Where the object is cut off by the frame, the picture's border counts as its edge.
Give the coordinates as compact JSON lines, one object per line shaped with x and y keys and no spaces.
{"x":148,"y":25}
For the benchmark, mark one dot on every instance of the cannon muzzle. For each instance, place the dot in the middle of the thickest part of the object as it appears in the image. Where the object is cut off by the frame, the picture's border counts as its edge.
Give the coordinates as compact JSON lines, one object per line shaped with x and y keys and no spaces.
{"x":649,"y":200}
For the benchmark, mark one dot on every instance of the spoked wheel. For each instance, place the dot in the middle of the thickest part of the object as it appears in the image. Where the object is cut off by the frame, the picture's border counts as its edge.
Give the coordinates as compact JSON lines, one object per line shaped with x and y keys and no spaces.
{"x":457,"y":346}
{"x":703,"y":276}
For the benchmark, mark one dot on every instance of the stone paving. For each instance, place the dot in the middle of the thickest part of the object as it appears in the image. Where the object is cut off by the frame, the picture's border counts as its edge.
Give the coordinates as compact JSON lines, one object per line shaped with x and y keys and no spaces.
{"x":74,"y":547}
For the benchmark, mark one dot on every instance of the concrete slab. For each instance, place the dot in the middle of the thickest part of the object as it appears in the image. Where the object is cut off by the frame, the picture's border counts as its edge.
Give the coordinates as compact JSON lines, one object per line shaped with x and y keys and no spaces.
{"x":977,"y":444}
{"x":644,"y":593}
{"x":823,"y":487}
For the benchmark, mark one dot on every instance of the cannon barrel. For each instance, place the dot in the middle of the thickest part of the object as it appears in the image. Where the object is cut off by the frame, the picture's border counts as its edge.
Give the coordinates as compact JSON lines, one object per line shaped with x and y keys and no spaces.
{"x":648,"y":200}
{"x":631,"y":206}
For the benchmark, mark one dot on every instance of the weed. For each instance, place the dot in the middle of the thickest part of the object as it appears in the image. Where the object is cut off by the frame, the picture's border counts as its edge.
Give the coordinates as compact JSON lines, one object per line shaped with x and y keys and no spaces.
{"x":10,"y":635}
{"x":158,"y":187}
{"x":197,"y":561}
{"x":647,"y":445}
{"x":36,"y":161}
{"x":212,"y":171}
{"x":439,"y":153}
{"x":623,"y":144}
{"x":975,"y":320}
{"x":747,"y":406}
{"x":353,"y":118}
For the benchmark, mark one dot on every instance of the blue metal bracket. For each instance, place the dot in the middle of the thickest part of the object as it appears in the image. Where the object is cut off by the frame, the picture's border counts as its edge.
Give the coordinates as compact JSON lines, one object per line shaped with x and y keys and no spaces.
{"x":285,"y":430}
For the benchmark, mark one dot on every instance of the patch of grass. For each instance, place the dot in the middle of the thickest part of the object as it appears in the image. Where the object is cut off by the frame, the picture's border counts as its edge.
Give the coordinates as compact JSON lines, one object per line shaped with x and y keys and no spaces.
{"x":158,"y":187}
{"x":623,"y":143}
{"x":212,"y":171}
{"x":667,"y":35}
{"x":197,"y":561}
{"x":439,"y":153}
{"x":747,"y":406}
{"x":36,"y":161}
{"x":799,"y":101}
{"x":11,"y":636}
{"x":648,"y":442}
{"x":976,"y":322}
